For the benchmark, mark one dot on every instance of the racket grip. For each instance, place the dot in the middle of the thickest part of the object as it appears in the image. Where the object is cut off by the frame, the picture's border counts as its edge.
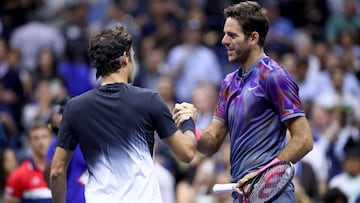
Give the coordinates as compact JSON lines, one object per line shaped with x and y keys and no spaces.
{"x":220,"y":188}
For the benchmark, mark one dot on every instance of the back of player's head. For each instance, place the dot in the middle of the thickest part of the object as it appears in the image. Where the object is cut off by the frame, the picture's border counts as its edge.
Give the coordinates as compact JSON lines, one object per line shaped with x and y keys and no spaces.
{"x":251,"y":17}
{"x":106,"y":47}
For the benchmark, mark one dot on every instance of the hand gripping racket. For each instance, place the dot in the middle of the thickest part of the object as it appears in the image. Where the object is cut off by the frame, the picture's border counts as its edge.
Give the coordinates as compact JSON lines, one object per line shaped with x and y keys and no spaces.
{"x":265,"y":186}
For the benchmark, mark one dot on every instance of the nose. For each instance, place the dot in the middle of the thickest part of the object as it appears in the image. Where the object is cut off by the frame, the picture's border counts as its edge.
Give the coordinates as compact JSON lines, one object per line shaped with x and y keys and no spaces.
{"x":225,"y":40}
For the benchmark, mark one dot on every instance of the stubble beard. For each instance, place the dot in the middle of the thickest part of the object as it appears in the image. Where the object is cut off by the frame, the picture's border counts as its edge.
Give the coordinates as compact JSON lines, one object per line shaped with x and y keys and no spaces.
{"x":241,"y":57}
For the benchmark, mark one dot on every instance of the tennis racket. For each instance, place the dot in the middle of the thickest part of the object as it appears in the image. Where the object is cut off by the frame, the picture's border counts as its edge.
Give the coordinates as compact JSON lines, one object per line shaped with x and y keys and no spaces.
{"x":265,"y":186}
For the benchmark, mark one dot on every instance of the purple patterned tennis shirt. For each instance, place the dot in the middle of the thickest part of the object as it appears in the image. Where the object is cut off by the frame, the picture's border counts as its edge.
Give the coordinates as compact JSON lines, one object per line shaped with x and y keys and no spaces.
{"x":254,"y":106}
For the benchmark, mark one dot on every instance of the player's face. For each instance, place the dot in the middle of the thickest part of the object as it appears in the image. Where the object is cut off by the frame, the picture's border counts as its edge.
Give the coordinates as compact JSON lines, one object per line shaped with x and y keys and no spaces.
{"x":236,"y":42}
{"x":39,"y":140}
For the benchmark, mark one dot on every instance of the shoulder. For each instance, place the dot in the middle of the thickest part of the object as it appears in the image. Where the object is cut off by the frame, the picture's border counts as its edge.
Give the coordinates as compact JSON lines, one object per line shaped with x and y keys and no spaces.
{"x":270,"y":68}
{"x":141,"y":92}
{"x":81,"y":99}
{"x":20,"y":171}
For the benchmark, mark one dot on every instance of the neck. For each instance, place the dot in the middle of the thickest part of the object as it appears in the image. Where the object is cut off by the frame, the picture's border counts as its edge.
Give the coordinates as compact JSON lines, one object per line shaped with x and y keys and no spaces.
{"x":39,"y":162}
{"x":121,"y":76}
{"x":255,"y":54}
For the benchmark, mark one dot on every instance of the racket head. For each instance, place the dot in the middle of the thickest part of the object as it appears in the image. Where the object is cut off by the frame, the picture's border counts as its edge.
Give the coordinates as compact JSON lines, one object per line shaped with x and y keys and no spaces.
{"x":270,"y":183}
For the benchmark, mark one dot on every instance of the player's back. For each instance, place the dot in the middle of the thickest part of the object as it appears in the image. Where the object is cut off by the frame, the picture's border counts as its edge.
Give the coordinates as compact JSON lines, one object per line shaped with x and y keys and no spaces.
{"x":114,"y":127}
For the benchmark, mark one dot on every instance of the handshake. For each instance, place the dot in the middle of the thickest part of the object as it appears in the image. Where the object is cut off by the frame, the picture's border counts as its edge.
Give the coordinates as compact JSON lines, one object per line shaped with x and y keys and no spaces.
{"x":183,"y":112}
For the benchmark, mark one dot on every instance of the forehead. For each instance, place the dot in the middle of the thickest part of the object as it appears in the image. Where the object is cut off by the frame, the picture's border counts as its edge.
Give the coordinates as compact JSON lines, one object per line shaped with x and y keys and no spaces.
{"x":39,"y":131}
{"x":232,"y":25}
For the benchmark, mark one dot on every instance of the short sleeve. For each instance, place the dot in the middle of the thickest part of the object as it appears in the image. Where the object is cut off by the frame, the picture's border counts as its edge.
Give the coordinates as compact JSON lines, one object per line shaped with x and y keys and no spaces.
{"x":283,"y":92}
{"x":13,"y":187}
{"x":66,"y":138}
{"x":161,"y":117}
{"x":220,"y":110}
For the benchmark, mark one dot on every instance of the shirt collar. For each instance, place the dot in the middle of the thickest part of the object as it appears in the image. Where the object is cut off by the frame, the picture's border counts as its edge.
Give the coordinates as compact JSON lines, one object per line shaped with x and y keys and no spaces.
{"x":247,"y":72}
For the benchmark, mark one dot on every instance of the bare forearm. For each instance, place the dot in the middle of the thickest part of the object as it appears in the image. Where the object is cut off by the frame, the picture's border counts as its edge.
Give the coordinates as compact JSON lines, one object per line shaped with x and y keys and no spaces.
{"x":301,"y":141}
{"x":295,"y":150}
{"x":58,"y":187}
{"x":208,"y":144}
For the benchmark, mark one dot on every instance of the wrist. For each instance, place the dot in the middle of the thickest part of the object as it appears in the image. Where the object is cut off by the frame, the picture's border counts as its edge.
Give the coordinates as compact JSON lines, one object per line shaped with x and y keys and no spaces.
{"x":187,"y":125}
{"x":197,"y":133}
{"x":276,"y":160}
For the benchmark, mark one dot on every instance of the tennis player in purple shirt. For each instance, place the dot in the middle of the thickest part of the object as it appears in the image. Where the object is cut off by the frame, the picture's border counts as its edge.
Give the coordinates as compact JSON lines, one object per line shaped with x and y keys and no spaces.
{"x":257,"y":104}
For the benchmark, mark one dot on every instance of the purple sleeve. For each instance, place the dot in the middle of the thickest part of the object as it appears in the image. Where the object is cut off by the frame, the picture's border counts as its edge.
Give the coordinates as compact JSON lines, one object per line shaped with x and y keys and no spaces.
{"x":220,"y":110}
{"x":283,"y":92}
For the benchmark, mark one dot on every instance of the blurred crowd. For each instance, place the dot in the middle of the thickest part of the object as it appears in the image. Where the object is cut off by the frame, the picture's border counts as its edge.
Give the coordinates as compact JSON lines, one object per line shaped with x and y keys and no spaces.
{"x":177,"y":44}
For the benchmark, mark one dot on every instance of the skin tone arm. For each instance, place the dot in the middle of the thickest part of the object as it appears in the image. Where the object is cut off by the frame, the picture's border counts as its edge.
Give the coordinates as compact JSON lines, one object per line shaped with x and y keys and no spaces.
{"x":8,"y":200}
{"x":58,"y":171}
{"x":211,"y":138}
{"x":300,"y":143}
{"x":183,"y":145}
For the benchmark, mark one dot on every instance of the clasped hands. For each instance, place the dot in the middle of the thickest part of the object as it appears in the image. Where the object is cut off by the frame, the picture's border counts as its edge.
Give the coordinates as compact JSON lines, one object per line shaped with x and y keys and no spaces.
{"x":183,"y":112}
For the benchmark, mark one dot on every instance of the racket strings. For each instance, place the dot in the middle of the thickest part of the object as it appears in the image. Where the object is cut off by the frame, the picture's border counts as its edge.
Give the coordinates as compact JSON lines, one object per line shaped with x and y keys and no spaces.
{"x":270,"y":183}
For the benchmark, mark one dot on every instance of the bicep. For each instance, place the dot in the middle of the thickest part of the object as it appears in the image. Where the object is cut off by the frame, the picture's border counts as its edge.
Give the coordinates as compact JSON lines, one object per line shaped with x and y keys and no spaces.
{"x":212,"y":138}
{"x":61,"y":159}
{"x":218,"y":129}
{"x":298,"y":127}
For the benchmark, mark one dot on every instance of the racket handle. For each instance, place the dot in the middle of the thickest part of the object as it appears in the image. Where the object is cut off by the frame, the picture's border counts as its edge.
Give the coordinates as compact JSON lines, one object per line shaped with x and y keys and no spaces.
{"x":220,"y":188}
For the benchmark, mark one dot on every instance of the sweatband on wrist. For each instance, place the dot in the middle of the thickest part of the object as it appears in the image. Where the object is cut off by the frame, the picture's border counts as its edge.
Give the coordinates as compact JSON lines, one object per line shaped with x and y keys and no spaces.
{"x":197,"y":134}
{"x":270,"y":163}
{"x":188,"y":125}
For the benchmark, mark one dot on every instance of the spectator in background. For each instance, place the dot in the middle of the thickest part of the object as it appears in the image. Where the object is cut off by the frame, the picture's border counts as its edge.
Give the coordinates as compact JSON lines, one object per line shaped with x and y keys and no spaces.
{"x":165,"y":87}
{"x":349,"y":180}
{"x":11,"y":86}
{"x":46,"y":70}
{"x":40,"y":109}
{"x":75,"y":72}
{"x":117,"y":13}
{"x":348,"y":49}
{"x":151,"y":69}
{"x":204,"y":98}
{"x":279,"y":39}
{"x":8,"y":163}
{"x":33,"y":36}
{"x":335,"y":195}
{"x":191,"y":63}
{"x":350,"y":84}
{"x":348,"y":19}
{"x":75,"y":29}
{"x":160,"y":25}
{"x":26,"y":183}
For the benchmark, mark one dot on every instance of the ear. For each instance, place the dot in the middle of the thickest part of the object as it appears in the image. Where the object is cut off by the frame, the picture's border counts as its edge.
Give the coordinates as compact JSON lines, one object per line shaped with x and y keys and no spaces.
{"x":254,"y":38}
{"x":123,"y":59}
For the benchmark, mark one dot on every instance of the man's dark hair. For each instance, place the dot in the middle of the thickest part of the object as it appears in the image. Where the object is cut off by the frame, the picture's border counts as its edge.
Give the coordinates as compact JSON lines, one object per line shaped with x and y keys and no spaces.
{"x":36,"y":125}
{"x":251,"y":17}
{"x":106,"y":47}
{"x":334,"y":195}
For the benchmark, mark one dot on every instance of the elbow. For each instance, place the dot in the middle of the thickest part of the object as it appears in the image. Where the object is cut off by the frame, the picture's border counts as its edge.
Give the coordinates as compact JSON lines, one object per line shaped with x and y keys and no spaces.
{"x":187,"y":158}
{"x":189,"y":155}
{"x":308,"y":144}
{"x":55,"y":175}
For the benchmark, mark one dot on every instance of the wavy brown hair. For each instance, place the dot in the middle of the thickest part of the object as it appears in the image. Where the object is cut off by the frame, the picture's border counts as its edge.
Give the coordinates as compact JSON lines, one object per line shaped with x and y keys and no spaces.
{"x":251,"y":18}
